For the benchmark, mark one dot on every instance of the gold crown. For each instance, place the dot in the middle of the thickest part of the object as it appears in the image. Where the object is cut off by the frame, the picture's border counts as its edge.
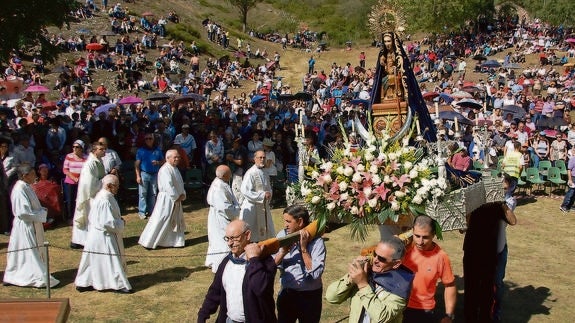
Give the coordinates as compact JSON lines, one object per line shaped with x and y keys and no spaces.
{"x":386,"y":15}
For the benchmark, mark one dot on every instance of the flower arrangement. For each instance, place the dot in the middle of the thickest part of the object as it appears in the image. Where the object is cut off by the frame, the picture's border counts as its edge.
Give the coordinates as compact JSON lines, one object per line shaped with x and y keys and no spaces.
{"x":370,"y":184}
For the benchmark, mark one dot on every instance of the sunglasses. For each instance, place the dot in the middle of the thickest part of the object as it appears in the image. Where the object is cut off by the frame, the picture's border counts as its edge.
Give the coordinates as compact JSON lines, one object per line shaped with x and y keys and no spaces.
{"x":76,"y":147}
{"x":381,"y":259}
{"x":149,"y":138}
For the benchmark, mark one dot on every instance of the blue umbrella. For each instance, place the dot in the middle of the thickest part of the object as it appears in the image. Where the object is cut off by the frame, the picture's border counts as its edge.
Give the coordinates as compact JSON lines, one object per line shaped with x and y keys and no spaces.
{"x":257,"y":98}
{"x":359,"y":101}
{"x":445,"y":97}
{"x":104,"y":108}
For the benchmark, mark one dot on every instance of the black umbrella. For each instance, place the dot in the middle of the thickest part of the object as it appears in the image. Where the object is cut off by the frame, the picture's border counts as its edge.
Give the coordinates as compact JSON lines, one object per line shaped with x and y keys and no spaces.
{"x":552,"y":122}
{"x":479,"y":58}
{"x":469,"y":103}
{"x":517,"y":111}
{"x":451,"y":115}
{"x":158,"y":96}
{"x":188,"y":98}
{"x":285,"y":97}
{"x":491,"y":64}
{"x":304,"y":96}
{"x":96,"y":99}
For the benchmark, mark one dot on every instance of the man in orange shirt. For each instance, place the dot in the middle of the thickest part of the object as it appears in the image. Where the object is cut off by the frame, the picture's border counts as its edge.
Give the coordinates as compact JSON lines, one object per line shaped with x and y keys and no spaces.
{"x":429,"y":263}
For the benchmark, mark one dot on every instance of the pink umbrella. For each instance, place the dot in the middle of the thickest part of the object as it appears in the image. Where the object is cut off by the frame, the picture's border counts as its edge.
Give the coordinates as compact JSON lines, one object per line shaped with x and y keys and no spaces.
{"x":570,"y":40}
{"x":461,"y":95}
{"x":37,"y":88}
{"x":131,"y":100}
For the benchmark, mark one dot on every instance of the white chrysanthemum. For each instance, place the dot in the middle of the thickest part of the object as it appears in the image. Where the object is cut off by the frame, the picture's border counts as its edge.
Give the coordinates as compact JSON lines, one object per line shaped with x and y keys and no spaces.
{"x":354,"y":210}
{"x":314,"y":174}
{"x":367,"y":191}
{"x":360,"y":167}
{"x":372,"y":202}
{"x":327,"y":166}
{"x":383,"y":157}
{"x":369,"y":156}
{"x":387,"y":179}
{"x":344,"y":196}
{"x":330,"y":206}
{"x":413,"y":173}
{"x":305,"y":191}
{"x":315,"y":200}
{"x":339,"y":170}
{"x":392,"y":156}
{"x":394,"y":206}
{"x":371,"y":148}
{"x":376,"y":179}
{"x":342,"y":186}
{"x":407,"y":165}
{"x":357,"y":178}
{"x":417,"y":199}
{"x":399,"y":194}
{"x":327,"y":178}
{"x":348,"y":171}
{"x":373,"y":169}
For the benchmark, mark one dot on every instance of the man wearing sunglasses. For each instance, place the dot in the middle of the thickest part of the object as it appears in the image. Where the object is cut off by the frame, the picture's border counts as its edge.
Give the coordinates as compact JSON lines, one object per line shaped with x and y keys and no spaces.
{"x":378,"y":286}
{"x":430,"y":264}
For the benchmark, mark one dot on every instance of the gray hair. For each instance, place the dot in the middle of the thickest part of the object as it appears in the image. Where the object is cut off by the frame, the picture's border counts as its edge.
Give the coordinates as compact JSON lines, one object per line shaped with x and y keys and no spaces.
{"x":170,"y":153}
{"x":397,"y":245}
{"x":23,"y":169}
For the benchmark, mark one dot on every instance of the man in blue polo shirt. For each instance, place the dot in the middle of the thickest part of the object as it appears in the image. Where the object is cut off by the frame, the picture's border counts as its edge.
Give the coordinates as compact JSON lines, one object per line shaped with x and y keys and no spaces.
{"x":149,"y":158}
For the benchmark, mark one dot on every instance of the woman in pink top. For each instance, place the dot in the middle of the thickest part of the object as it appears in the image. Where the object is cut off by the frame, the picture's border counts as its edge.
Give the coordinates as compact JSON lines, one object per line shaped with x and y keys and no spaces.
{"x":72,"y":166}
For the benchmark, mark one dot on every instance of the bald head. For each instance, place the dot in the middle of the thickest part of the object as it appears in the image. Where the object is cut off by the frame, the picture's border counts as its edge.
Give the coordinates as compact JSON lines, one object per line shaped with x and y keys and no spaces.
{"x":224,"y":173}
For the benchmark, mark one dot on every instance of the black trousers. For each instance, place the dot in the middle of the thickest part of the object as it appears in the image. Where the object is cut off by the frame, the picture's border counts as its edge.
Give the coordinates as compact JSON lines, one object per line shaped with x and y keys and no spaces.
{"x":303,"y":306}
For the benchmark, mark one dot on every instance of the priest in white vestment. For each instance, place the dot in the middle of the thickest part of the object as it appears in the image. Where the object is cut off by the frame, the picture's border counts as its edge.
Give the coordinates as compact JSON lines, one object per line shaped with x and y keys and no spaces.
{"x":88,"y":186}
{"x":166,"y":226}
{"x":223,"y":209}
{"x":103,"y":265}
{"x":27,"y":267}
{"x":257,"y":192}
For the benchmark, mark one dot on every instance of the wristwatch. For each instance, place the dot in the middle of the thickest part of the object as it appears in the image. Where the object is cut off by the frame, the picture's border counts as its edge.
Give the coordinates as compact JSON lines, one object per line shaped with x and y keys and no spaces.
{"x":451,"y":316}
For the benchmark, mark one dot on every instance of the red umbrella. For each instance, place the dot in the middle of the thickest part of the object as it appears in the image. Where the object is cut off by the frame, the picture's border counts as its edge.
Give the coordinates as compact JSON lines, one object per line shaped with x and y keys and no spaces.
{"x":147,"y":13}
{"x":430,"y":95}
{"x":94,"y":46}
{"x":37,"y":88}
{"x":49,"y":105}
{"x":131,"y":100}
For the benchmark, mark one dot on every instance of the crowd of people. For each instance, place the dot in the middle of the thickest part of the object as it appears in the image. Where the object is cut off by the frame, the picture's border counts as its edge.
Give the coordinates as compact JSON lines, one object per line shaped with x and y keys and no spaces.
{"x":251,"y":143}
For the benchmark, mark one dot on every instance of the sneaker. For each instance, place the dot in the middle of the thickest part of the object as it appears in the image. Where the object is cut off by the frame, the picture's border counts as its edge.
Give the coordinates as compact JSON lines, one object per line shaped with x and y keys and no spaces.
{"x":142,"y":216}
{"x":564,"y":210}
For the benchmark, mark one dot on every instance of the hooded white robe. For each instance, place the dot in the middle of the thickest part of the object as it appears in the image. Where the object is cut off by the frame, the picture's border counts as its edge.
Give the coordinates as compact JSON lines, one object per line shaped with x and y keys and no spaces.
{"x":166,"y":227}
{"x":27,"y":267}
{"x":223,"y":209}
{"x":107,"y":270}
{"x":88,"y":186}
{"x":255,"y":208}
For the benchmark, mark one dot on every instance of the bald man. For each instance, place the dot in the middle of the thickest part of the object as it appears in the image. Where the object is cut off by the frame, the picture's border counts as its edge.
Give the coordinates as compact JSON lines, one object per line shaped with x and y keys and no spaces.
{"x":223,"y":209}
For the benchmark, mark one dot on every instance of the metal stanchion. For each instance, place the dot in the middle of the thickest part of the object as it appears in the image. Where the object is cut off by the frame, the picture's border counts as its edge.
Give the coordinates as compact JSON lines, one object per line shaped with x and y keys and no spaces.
{"x":46,"y":245}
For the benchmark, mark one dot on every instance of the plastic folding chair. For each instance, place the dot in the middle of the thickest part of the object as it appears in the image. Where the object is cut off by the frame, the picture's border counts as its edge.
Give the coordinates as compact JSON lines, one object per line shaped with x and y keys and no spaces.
{"x":544,"y":166}
{"x":554,"y":178}
{"x":533,"y":177}
{"x":562,"y":167}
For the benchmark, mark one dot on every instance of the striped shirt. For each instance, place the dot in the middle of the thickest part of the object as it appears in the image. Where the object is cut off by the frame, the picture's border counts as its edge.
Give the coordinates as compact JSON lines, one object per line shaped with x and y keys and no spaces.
{"x":73,"y":164}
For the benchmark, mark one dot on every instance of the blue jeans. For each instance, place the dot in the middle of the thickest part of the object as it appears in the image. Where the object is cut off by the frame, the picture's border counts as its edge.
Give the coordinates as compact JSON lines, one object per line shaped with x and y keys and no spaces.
{"x":499,"y":285}
{"x":147,"y":191}
{"x":70,"y":192}
{"x":568,"y":199}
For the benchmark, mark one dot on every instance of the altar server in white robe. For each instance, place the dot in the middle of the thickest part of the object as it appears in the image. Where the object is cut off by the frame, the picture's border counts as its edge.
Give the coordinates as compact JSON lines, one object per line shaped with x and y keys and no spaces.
{"x":27,"y":267}
{"x":166,"y":226}
{"x":257,"y":192}
{"x":223,"y":209}
{"x":103,"y":265}
{"x":88,"y":186}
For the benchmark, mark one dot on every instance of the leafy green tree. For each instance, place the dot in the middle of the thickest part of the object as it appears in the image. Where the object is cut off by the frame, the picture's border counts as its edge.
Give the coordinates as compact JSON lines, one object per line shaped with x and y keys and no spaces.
{"x":244,"y":6}
{"x":23,"y":22}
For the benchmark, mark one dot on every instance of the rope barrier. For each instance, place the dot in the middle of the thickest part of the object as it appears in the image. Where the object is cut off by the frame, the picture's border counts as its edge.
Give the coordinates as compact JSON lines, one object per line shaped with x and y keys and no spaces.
{"x":117,"y":255}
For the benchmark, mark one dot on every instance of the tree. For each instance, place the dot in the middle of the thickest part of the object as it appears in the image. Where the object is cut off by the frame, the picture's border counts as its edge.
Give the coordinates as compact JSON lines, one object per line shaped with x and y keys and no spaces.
{"x":244,"y":6}
{"x":23,"y":22}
